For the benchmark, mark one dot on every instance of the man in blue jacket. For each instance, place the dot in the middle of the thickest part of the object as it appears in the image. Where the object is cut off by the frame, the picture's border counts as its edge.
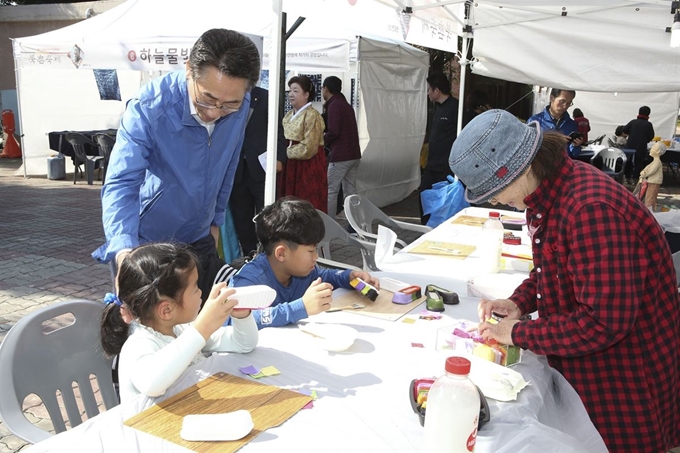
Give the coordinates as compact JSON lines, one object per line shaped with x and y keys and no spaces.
{"x":556,"y":118}
{"x":177,"y":148}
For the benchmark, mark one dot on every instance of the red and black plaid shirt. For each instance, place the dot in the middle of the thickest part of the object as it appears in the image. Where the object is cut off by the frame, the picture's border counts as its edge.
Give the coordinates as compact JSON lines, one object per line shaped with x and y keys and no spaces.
{"x":607,"y":297}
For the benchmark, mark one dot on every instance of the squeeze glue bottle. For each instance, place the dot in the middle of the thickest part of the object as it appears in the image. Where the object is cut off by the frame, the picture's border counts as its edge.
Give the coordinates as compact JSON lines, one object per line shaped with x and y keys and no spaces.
{"x":452,"y":411}
{"x":492,"y":232}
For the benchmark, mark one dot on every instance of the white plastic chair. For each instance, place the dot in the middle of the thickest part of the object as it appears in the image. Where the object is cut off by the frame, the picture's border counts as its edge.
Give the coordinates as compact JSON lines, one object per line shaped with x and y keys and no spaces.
{"x":365,"y":217}
{"x":609,"y":157}
{"x":34,"y":362}
{"x":676,"y":264}
{"x":335,"y":232}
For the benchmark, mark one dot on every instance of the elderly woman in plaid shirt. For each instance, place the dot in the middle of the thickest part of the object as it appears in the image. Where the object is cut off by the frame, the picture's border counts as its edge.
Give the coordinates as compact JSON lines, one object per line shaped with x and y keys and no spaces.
{"x":603,"y":280}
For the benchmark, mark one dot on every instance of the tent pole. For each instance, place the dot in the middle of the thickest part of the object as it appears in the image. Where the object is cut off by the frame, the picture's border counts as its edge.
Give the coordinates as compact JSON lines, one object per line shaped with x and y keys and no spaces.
{"x":464,"y":62}
{"x":275,"y":71}
{"x":17,"y":80}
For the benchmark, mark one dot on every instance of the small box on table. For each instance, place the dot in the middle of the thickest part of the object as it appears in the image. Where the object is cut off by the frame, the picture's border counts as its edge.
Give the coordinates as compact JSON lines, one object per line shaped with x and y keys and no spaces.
{"x":457,"y":338}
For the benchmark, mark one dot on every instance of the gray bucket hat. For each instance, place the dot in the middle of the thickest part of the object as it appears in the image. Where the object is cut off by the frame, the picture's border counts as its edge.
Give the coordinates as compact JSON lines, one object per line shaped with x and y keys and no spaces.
{"x":493,"y":151}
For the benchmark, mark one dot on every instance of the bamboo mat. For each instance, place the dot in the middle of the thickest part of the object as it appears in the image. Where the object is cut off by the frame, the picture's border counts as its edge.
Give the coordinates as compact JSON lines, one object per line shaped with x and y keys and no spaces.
{"x":382,"y":308}
{"x":269,"y":406}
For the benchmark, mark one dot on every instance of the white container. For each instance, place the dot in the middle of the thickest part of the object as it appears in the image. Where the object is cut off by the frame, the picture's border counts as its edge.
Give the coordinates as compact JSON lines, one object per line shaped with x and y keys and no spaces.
{"x":492,"y":244}
{"x":452,"y":411}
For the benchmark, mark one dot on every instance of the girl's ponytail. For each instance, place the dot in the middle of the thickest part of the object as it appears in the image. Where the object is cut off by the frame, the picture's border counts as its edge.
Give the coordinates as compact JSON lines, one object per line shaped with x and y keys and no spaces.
{"x":114,"y":330}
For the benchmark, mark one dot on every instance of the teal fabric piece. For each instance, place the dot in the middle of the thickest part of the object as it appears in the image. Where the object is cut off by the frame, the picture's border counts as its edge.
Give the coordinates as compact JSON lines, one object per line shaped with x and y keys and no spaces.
{"x":230,"y":247}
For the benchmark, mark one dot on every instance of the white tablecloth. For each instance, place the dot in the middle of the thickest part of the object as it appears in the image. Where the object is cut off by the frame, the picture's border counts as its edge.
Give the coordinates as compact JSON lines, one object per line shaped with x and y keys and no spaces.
{"x":459,"y":272}
{"x":363,"y":403}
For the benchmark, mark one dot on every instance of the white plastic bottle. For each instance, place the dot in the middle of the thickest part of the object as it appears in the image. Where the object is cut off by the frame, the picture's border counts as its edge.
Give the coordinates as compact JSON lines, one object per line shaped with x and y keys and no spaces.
{"x":492,"y":247}
{"x":452,"y":411}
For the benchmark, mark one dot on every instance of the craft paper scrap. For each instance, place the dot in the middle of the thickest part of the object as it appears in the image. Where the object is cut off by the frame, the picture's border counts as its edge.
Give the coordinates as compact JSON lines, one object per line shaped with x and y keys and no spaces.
{"x":430,"y":315}
{"x":258,"y":375}
{"x":250,"y":369}
{"x":270,"y":371}
{"x":417,"y":345}
{"x":309,"y":405}
{"x":409,"y":320}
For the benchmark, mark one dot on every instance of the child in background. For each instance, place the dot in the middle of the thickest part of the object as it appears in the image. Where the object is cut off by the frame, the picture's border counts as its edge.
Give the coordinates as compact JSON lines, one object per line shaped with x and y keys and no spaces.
{"x":289,"y":231}
{"x":148,"y":323}
{"x":621,"y":137}
{"x":653,"y":174}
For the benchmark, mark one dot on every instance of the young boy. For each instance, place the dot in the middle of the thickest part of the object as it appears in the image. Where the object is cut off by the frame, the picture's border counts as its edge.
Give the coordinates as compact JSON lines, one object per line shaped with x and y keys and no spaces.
{"x":289,"y":230}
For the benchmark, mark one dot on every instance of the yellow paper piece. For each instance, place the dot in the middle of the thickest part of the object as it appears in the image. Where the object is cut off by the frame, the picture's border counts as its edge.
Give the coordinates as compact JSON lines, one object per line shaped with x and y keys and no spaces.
{"x":409,"y":320}
{"x":258,"y":375}
{"x":314,"y":395}
{"x":269,"y":371}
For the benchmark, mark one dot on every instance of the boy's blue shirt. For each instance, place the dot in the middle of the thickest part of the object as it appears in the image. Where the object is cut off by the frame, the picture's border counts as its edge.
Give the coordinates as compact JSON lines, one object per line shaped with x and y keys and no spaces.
{"x":288,"y":307}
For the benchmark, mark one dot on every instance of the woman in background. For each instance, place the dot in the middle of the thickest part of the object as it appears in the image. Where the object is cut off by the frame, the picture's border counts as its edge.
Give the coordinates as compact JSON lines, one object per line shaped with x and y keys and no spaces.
{"x":304,"y":175}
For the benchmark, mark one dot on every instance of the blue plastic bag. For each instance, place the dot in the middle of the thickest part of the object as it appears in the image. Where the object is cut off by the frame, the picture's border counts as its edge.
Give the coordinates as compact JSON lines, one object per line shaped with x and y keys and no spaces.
{"x":443,"y":200}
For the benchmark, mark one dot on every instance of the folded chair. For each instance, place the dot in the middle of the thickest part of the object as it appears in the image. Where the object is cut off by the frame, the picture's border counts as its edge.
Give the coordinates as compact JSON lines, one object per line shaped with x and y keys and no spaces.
{"x":365,"y":217}
{"x":610,"y":157}
{"x":336,"y":233}
{"x":35,"y":362}
{"x":597,"y":141}
{"x":79,"y":143}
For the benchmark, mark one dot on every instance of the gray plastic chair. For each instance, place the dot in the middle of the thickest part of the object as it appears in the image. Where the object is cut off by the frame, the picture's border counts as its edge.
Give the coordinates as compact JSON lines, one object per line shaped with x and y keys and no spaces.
{"x":365,"y":217}
{"x":79,"y":142}
{"x":336,"y":232}
{"x":33,"y":362}
{"x":105,"y":143}
{"x":609,"y":157}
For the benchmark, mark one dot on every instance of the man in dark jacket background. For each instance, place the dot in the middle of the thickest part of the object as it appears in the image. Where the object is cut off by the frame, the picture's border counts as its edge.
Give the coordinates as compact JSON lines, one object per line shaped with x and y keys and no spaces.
{"x":247,"y":195}
{"x":443,"y":133}
{"x":640,"y":132}
{"x":342,"y":139}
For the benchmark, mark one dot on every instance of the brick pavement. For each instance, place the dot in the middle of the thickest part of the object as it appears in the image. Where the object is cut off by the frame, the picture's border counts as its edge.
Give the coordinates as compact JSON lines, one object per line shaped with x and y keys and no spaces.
{"x":48,"y":230}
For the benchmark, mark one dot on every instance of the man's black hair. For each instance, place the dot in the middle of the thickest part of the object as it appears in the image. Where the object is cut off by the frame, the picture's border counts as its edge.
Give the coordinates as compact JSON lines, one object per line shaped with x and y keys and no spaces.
{"x":333,"y":84}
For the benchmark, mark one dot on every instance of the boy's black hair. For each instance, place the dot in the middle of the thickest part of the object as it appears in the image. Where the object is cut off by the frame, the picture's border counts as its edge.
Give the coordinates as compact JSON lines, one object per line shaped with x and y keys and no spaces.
{"x":291,"y":220}
{"x":644,"y":110}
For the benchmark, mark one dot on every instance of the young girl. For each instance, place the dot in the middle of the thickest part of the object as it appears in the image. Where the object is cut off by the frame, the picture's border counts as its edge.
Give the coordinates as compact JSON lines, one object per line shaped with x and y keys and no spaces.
{"x":147,"y":324}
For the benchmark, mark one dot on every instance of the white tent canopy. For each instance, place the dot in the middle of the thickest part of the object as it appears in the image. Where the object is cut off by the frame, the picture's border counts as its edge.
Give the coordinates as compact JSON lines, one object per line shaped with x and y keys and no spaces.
{"x":588,"y":45}
{"x":56,"y":93}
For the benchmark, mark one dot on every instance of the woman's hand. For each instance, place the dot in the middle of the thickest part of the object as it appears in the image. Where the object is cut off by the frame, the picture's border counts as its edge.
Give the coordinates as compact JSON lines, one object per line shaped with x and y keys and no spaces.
{"x":501,"y":331}
{"x":504,"y":307}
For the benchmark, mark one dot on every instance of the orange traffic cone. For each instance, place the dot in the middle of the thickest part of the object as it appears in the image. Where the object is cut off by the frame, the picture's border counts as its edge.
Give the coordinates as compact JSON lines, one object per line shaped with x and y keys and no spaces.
{"x":12,"y":149}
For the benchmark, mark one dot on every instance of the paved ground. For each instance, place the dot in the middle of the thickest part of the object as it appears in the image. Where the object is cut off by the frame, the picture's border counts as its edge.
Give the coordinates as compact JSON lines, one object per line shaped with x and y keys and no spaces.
{"x":48,"y":230}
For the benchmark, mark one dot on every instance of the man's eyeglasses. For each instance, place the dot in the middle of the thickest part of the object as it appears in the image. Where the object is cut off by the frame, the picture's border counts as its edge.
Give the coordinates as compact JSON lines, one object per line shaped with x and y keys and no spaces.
{"x":563,"y":102}
{"x":222,"y":108}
